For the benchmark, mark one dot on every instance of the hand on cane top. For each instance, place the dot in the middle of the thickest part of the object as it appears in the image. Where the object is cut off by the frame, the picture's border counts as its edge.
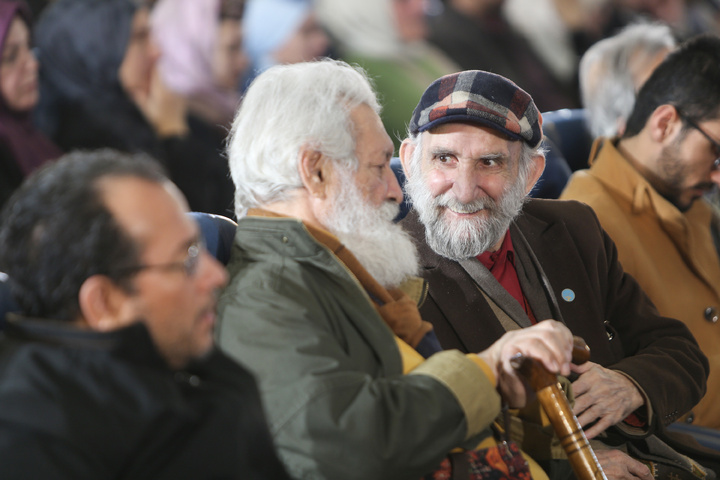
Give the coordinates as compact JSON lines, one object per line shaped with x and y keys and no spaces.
{"x":549,"y":342}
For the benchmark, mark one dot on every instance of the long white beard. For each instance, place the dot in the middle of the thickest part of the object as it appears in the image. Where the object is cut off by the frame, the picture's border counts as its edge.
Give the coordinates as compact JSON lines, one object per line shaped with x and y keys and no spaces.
{"x":462,"y":238}
{"x":385,"y":250}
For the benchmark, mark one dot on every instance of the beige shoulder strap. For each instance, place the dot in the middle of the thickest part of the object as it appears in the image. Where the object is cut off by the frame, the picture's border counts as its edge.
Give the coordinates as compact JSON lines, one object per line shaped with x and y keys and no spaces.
{"x":504,"y":319}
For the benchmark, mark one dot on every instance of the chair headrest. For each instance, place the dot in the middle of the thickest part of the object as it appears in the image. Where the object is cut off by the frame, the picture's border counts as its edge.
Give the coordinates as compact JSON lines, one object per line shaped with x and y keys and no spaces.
{"x":218,"y":232}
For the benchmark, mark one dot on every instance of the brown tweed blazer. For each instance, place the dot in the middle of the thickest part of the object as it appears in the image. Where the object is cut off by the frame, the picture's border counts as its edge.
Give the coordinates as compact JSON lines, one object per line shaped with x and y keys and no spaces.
{"x":608,"y":309}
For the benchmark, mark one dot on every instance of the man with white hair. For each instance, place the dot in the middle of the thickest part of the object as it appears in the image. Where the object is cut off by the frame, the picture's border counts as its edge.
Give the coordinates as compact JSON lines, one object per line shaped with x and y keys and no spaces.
{"x":613,"y":70}
{"x":497,"y":262}
{"x":313,"y":307}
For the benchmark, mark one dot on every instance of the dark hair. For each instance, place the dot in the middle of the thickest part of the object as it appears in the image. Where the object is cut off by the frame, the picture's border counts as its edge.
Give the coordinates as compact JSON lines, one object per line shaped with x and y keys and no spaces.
{"x":689,"y":79}
{"x":55,"y":231}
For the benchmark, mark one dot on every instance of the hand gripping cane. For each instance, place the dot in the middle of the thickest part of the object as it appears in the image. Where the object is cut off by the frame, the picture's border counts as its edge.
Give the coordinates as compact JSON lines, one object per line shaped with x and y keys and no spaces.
{"x":556,"y":406}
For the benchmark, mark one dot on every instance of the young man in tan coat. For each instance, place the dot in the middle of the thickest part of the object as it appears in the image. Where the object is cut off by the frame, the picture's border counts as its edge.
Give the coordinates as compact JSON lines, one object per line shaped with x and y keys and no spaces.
{"x":646,"y":189}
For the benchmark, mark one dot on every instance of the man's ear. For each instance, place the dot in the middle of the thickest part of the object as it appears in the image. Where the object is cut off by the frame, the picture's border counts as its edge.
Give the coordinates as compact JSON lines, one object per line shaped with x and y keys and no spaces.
{"x":314,"y":169}
{"x":103,"y":304}
{"x":537,"y":168}
{"x":407,"y":148}
{"x":664,"y":123}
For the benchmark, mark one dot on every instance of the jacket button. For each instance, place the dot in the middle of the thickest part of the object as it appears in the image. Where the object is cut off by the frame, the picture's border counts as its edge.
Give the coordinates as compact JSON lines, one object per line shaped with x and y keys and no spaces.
{"x":711,"y":314}
{"x":690,"y":418}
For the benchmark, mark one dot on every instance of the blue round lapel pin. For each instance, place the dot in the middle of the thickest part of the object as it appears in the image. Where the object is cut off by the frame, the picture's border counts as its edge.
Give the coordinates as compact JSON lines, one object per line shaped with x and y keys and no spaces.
{"x":568,"y":295}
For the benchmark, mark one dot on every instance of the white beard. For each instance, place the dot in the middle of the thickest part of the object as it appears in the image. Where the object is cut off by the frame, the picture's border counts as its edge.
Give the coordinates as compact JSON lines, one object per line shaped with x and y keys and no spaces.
{"x":459,"y":239}
{"x":385,"y":250}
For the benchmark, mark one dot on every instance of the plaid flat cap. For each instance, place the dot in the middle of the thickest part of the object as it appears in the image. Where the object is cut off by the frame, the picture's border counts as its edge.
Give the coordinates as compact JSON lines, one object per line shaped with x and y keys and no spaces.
{"x":483,"y":98}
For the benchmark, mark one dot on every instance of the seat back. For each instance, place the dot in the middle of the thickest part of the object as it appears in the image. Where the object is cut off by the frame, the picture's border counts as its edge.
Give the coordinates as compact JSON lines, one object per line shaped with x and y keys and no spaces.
{"x":556,"y":174}
{"x":400,"y":175}
{"x":551,"y":183}
{"x":568,"y":131}
{"x":218,"y":232}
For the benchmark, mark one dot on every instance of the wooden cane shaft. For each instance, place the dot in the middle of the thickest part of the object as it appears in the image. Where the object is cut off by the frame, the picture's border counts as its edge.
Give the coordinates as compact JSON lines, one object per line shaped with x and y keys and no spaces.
{"x":572,"y":438}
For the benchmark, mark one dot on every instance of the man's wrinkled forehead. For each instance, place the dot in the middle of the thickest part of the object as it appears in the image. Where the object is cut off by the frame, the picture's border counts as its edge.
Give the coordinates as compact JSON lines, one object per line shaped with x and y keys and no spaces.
{"x":469,"y":137}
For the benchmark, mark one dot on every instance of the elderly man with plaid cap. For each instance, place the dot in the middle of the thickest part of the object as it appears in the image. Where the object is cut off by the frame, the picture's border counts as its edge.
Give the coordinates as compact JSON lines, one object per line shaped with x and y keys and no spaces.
{"x":496,"y":261}
{"x":313,"y":307}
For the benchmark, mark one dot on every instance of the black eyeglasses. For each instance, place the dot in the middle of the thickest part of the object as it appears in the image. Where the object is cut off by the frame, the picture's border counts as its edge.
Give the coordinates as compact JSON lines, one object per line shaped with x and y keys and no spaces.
{"x":713,"y":142}
{"x":189,"y":266}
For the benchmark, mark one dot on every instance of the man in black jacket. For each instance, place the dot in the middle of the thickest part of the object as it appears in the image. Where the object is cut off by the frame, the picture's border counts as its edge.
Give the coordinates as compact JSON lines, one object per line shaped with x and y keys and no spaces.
{"x":111,"y":373}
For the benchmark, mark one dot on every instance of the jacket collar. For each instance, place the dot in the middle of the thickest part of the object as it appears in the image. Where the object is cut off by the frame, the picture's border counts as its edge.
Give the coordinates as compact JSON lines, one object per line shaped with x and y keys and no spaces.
{"x":429,"y":259}
{"x":412,"y":224}
{"x":132,"y":343}
{"x":616,"y":174}
{"x":289,"y":236}
{"x":613,"y":170}
{"x":380,"y":295}
{"x":465,"y":299}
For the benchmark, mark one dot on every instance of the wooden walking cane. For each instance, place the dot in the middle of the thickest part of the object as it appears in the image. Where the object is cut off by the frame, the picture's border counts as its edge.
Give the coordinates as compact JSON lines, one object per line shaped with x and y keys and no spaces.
{"x":556,"y":406}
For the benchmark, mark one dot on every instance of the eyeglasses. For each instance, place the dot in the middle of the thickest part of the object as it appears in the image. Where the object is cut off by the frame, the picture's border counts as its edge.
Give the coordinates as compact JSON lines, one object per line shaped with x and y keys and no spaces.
{"x":713,"y":142}
{"x":189,"y":266}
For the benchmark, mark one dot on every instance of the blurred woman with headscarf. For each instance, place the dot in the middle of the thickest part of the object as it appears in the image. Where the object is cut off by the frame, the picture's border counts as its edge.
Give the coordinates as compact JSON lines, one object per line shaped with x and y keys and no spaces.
{"x":202,"y":56}
{"x":100,"y":89}
{"x":202,"y":61}
{"x":22,"y":147}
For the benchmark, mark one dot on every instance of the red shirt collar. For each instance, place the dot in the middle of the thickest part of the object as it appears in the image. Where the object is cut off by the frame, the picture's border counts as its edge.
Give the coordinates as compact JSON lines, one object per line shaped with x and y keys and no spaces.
{"x":506,"y":253}
{"x":501,"y":264}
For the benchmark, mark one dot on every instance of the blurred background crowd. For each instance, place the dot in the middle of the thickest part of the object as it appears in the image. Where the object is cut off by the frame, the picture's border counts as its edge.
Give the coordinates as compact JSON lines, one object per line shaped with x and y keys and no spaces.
{"x":166,"y":76}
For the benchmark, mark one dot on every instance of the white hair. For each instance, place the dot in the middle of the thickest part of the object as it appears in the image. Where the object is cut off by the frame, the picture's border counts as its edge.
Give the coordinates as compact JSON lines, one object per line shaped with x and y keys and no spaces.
{"x":288,"y":108}
{"x":606,"y":73}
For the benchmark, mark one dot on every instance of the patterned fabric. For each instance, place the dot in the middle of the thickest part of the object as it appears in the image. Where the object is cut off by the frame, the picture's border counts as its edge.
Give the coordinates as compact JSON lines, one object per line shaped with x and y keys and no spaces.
{"x":479,"y":97}
{"x":501,"y":462}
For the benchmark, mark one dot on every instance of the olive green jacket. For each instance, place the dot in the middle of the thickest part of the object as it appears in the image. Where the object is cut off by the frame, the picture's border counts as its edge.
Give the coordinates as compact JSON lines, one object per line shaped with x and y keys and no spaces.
{"x":329,"y":369}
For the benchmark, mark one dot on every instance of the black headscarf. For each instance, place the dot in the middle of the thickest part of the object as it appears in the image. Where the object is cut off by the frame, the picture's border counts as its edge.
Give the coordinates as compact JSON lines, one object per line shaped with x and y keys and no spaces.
{"x":82,"y":44}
